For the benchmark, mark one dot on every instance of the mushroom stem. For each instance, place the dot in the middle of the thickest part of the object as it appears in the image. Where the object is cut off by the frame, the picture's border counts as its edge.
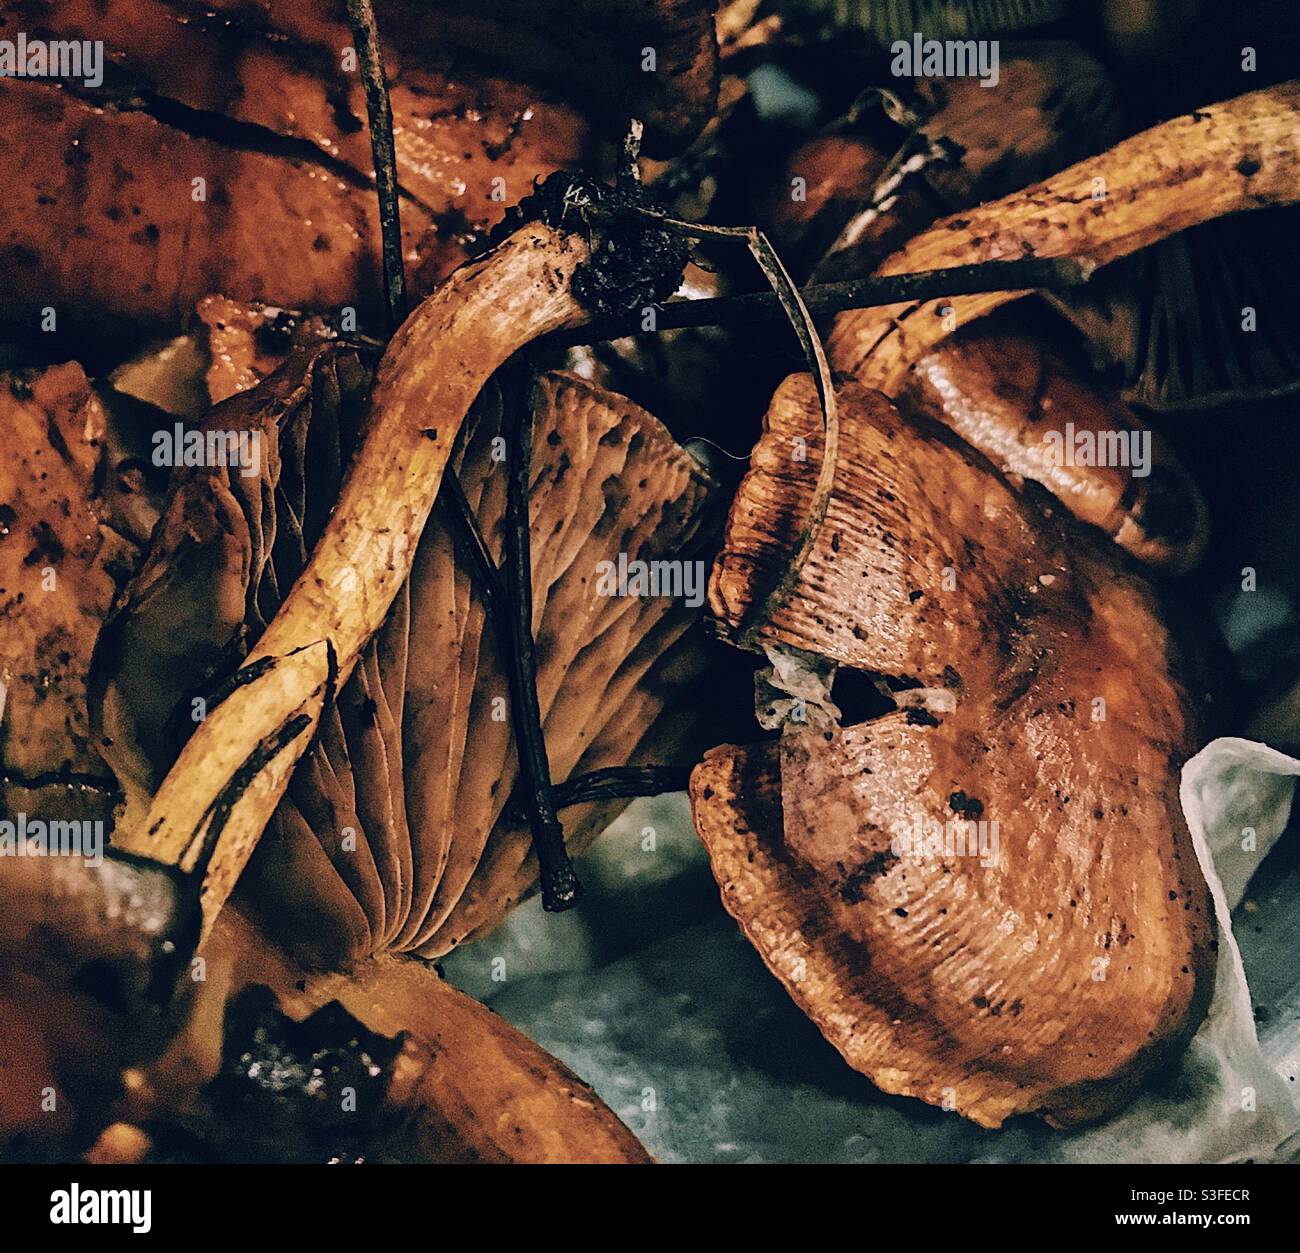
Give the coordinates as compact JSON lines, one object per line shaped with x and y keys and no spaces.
{"x":379,"y":114}
{"x":212,"y":806}
{"x":466,"y":1086}
{"x":1226,"y":158}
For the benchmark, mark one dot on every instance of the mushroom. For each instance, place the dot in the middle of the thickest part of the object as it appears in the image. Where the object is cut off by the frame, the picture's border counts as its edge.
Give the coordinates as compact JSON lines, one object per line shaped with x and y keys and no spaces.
{"x":226,"y":782}
{"x":987,"y":899}
{"x":416,"y":759}
{"x":359,"y":561}
{"x":994,"y":930}
{"x":1032,"y":412}
{"x":1225,"y":158}
{"x":997,"y":385}
{"x":1160,"y":518}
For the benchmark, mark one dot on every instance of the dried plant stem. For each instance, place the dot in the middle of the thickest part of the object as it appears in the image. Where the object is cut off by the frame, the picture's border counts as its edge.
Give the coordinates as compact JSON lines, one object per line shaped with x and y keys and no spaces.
{"x":1226,"y":158}
{"x":474,"y":547}
{"x":1049,"y":273}
{"x":560,"y":887}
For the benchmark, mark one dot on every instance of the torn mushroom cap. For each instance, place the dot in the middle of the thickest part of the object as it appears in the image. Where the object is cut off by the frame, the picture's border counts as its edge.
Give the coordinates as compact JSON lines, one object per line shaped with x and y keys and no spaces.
{"x":1056,"y":964}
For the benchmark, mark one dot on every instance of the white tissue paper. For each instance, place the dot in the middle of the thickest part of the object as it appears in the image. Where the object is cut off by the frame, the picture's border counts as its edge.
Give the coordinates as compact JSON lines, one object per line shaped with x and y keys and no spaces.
{"x":1227,"y":1104}
{"x":653,"y":996}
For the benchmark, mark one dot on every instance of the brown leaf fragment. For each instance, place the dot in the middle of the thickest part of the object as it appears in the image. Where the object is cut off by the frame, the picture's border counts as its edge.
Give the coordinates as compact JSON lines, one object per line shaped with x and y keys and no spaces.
{"x":60,"y":565}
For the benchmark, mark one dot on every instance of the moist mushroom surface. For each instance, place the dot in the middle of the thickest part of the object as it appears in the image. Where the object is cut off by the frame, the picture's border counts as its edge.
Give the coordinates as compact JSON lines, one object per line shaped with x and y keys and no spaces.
{"x":1044,"y":964}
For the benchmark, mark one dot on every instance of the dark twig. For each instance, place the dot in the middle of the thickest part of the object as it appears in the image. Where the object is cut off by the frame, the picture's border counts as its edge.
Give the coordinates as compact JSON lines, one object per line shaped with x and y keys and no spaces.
{"x":511,"y":615}
{"x":560,"y":887}
{"x":365,"y":31}
{"x":470,"y":539}
{"x":1049,"y":273}
{"x":379,"y":110}
{"x":619,"y":783}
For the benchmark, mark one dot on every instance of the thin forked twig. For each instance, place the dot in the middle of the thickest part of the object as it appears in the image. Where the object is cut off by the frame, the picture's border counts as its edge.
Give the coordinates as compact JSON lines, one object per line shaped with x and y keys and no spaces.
{"x":1045,"y":273}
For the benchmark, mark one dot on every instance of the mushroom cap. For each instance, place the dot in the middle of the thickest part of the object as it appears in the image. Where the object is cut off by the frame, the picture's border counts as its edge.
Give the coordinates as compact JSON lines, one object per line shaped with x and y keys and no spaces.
{"x":1051,"y":971}
{"x":395,"y":833}
{"x":120,"y":239}
{"x":596,"y":49}
{"x":1028,"y":409}
{"x":592,"y":51}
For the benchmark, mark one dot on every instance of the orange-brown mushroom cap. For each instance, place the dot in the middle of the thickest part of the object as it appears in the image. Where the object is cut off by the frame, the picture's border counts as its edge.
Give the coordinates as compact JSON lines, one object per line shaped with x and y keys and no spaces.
{"x":652,"y":59}
{"x":989,"y":900}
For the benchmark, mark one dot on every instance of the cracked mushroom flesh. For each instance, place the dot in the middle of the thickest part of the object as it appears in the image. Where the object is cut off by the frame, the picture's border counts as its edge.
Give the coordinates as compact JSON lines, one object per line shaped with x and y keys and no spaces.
{"x":1047,"y":968}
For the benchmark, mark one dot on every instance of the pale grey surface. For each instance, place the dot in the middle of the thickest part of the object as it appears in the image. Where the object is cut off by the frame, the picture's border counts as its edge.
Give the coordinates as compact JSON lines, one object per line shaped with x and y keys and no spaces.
{"x":652,"y":994}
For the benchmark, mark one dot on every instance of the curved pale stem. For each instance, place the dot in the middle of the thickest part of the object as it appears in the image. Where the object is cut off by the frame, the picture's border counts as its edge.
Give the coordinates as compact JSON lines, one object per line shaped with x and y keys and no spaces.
{"x":1226,"y":158}
{"x":210,"y":810}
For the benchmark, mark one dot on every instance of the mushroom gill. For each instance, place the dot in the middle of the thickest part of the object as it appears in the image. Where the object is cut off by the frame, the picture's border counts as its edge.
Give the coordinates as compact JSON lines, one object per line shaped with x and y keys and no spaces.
{"x":987,"y":899}
{"x":396,"y":832}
